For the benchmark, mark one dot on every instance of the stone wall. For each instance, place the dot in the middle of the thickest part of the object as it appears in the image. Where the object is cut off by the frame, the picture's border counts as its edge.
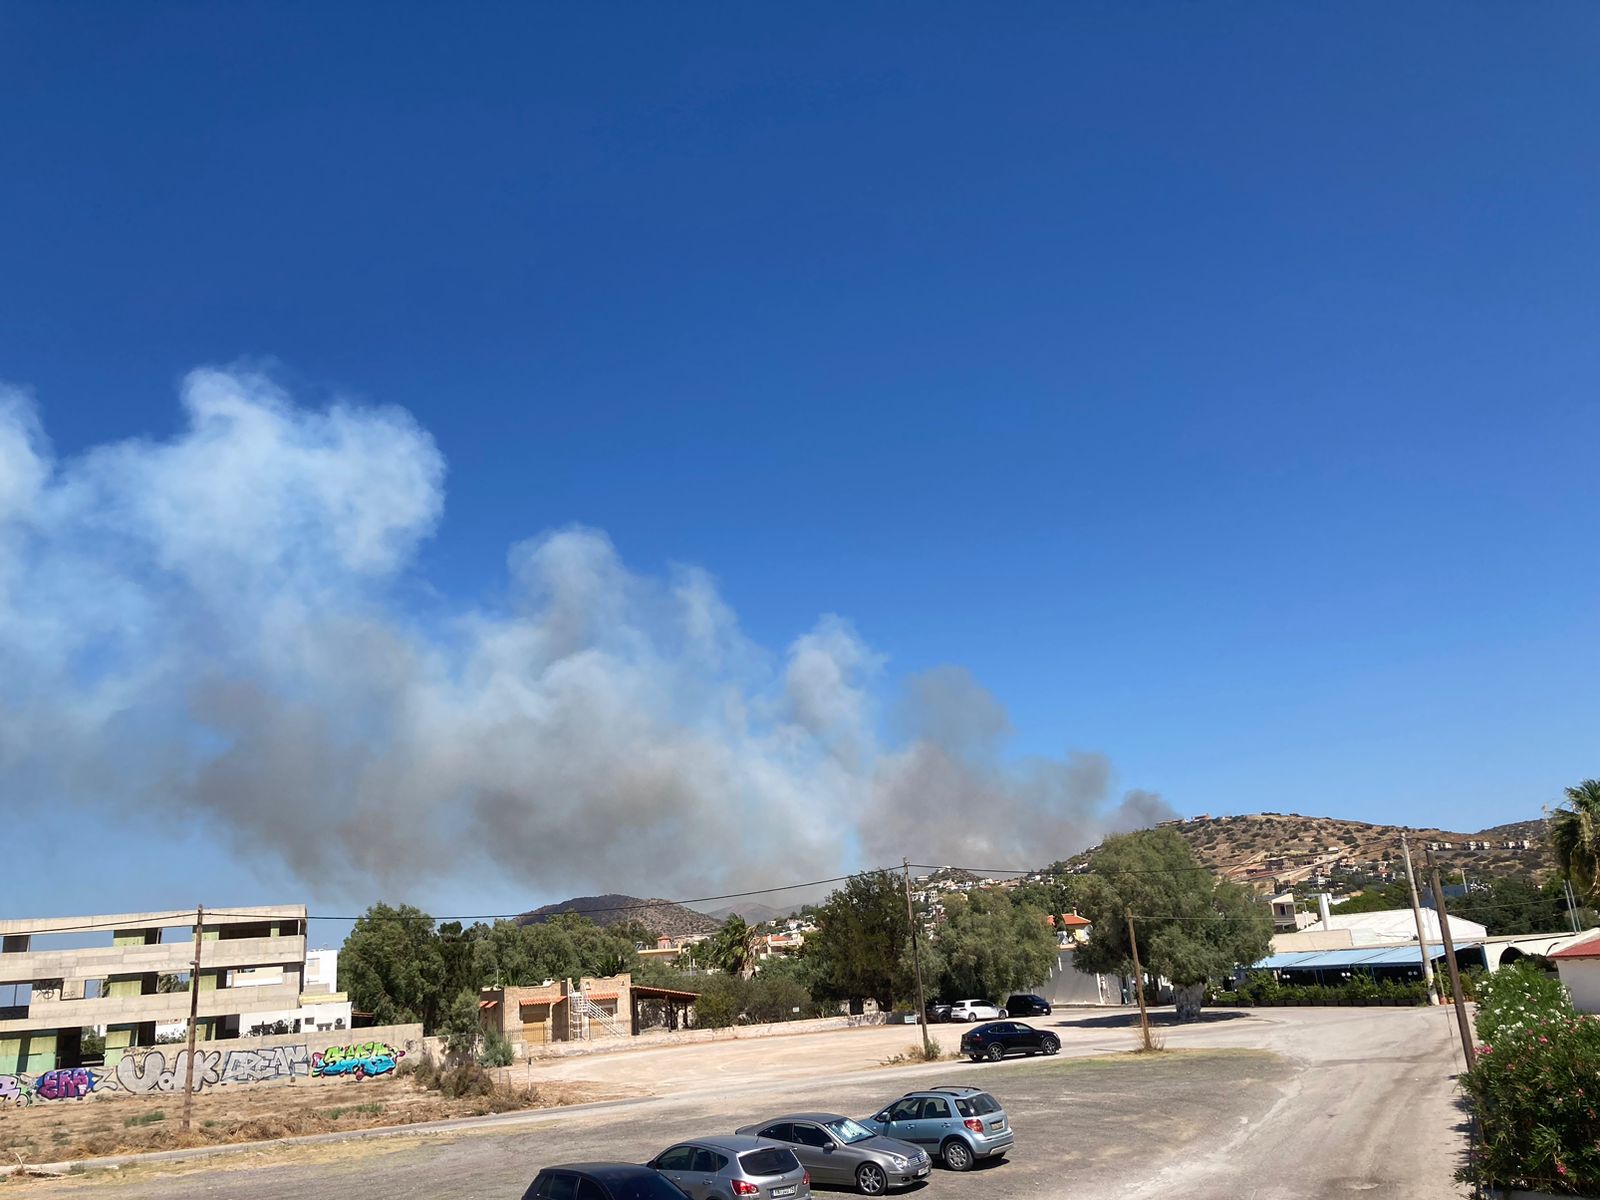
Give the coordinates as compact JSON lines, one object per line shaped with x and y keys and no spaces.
{"x":689,"y":1036}
{"x":346,"y":1056}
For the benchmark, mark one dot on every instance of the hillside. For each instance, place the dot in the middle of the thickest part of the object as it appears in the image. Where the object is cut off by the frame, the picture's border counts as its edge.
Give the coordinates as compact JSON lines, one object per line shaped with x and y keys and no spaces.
{"x":1283,"y":850}
{"x":753,"y":914}
{"x":658,"y":916}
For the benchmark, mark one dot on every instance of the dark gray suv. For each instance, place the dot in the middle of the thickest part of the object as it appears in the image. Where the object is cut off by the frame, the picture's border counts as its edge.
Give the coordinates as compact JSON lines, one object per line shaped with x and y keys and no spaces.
{"x":960,"y":1124}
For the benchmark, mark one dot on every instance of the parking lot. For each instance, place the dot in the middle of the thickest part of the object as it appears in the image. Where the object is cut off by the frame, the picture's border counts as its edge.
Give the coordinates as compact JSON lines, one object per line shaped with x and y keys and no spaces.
{"x":1288,"y":1103}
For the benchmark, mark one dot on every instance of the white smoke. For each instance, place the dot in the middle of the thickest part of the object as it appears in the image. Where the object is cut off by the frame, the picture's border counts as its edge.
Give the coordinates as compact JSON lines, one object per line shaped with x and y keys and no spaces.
{"x":217,"y":626}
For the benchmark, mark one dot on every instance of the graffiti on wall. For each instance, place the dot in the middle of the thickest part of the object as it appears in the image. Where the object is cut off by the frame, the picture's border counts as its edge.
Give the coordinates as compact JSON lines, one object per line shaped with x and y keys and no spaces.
{"x":361,"y":1060}
{"x":15,"y":1089}
{"x":141,"y":1073}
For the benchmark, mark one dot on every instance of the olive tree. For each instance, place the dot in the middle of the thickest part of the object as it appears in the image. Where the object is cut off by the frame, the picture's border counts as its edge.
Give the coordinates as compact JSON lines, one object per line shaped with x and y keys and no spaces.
{"x":1191,"y":926}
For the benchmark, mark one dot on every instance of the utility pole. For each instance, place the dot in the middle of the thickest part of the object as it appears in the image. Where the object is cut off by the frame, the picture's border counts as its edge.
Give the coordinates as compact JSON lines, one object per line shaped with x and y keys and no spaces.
{"x":1416,"y":911}
{"x":1572,"y":906}
{"x":1455,"y":971}
{"x":916,"y":964}
{"x":1138,"y":985}
{"x":194,"y":1015}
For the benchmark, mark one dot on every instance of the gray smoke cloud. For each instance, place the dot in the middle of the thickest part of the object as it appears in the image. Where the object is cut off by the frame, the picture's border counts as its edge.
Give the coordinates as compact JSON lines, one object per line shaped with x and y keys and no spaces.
{"x":218,"y":625}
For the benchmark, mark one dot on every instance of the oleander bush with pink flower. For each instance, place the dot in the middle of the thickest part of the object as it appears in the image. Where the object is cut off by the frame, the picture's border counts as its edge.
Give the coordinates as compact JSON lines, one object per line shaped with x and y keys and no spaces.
{"x":1536,"y":1088}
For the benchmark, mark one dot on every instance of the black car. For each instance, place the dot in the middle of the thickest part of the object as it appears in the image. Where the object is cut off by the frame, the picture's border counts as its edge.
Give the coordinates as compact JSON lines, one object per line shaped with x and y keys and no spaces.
{"x":996,"y":1039}
{"x":938,"y":1012}
{"x":601,"y":1181}
{"x":1027,"y":1005}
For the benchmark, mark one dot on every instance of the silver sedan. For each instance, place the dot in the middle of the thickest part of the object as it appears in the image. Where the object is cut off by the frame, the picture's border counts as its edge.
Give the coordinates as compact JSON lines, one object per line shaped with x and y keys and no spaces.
{"x":840,"y":1151}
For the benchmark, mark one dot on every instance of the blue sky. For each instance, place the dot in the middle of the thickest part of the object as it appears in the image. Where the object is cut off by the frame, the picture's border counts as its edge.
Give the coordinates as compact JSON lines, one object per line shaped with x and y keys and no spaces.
{"x":1215,"y":384}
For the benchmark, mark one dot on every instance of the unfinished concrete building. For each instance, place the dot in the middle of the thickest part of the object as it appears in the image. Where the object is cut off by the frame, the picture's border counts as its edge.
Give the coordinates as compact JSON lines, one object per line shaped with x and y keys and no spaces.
{"x":53,"y":986}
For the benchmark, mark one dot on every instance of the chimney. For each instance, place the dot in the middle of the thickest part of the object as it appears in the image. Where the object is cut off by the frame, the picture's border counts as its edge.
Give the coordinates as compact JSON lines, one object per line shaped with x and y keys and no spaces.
{"x":1322,"y":907}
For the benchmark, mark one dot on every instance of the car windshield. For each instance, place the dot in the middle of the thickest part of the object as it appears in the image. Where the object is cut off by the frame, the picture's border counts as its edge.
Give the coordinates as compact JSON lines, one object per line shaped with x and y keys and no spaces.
{"x":848,"y":1131}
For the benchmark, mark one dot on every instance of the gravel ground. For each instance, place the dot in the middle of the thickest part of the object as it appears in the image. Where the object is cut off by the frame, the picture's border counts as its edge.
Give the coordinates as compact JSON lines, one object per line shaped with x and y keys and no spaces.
{"x":1269,"y":1105}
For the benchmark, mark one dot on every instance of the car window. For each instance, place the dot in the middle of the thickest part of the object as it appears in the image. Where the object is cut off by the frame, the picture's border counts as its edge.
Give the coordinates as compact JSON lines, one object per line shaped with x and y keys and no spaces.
{"x":679,"y":1158}
{"x":707,"y":1162}
{"x":906,"y":1110}
{"x":560,"y":1185}
{"x":645,"y":1185}
{"x":983,"y":1104}
{"x":769,"y":1162}
{"x":782,"y":1131}
{"x":588,"y":1189}
{"x":809,"y":1135}
{"x":934,"y":1109}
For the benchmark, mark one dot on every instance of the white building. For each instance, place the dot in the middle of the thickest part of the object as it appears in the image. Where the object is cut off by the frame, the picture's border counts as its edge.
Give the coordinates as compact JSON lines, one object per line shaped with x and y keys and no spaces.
{"x":1579,"y":965}
{"x":322,"y":1006}
{"x":1399,"y":925}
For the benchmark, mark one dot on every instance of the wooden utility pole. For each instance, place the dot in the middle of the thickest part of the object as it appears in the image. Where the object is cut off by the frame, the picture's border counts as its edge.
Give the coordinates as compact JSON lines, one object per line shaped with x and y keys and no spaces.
{"x":916,"y":963}
{"x":1138,"y":986}
{"x":194,"y":1016}
{"x":1450,"y":964}
{"x":1416,"y":911}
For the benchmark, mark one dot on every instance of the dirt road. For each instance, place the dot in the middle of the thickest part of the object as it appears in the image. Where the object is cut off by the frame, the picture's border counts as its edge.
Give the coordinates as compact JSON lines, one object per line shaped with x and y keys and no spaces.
{"x":1272,"y":1105}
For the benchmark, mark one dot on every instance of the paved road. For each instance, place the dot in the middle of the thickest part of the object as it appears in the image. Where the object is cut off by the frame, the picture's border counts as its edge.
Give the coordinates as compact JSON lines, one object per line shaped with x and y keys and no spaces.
{"x":1331,"y":1102}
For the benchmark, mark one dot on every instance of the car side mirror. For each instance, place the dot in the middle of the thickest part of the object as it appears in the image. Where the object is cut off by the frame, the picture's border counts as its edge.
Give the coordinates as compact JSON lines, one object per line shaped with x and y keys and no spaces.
{"x":828,"y":1149}
{"x":881,"y":1117}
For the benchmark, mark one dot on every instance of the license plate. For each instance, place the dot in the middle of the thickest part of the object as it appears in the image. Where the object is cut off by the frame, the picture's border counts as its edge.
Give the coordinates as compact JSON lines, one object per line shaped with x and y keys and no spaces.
{"x":1000,"y":1124}
{"x":921,"y":1171}
{"x":783,"y":1191}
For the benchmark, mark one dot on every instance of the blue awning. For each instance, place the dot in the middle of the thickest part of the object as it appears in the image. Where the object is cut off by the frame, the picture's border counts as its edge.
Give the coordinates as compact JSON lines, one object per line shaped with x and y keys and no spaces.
{"x":1380,"y":956}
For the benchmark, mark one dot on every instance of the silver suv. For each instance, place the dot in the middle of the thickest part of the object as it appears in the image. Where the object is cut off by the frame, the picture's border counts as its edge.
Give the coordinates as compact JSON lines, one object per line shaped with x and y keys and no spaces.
{"x":726,"y":1168}
{"x":960,"y":1124}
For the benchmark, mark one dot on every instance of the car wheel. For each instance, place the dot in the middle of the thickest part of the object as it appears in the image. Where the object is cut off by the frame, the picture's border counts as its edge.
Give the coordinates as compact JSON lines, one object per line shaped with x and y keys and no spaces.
{"x":1004,"y":1013}
{"x":957,"y":1156}
{"x":870,"y":1180}
{"x":1050,"y":1043}
{"x":996,"y":1052}
{"x":971,"y":1017}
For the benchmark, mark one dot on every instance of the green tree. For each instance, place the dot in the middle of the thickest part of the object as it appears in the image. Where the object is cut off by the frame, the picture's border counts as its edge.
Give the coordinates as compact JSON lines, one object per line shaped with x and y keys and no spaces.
{"x":988,"y":946}
{"x":1514,"y":905}
{"x":1191,"y":926}
{"x":1575,"y":838}
{"x":392,"y":966}
{"x":862,"y":946}
{"x":734,"y":948}
{"x":1376,"y":897}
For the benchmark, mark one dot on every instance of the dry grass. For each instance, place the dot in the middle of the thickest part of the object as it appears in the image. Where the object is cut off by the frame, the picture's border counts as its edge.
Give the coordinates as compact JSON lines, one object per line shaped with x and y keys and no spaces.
{"x":94,"y":1127}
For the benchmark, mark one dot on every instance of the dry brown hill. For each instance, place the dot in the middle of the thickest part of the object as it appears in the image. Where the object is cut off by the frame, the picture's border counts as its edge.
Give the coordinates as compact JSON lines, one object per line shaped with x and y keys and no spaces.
{"x":1281,"y":850}
{"x":658,"y":916}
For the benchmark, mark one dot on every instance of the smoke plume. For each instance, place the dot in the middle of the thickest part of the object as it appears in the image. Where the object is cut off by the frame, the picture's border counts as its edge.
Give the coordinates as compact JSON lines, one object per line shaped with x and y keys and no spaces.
{"x":218,"y":626}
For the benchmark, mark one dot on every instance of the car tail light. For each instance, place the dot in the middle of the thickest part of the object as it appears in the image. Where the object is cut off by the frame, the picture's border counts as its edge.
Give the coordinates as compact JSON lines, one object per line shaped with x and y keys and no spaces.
{"x":743,"y":1187}
{"x":974,"y":1123}
{"x":805,"y":1178}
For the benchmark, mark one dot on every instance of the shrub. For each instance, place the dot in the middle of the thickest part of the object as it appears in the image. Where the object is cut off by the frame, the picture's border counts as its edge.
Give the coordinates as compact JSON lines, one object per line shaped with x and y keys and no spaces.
{"x":496,"y":1051}
{"x":1534,"y":1092}
{"x":467,"y":1079}
{"x":1515,"y":996}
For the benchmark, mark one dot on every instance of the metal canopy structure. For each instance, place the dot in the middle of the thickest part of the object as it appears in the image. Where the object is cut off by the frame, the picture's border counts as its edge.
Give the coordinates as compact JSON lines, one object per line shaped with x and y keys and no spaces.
{"x":1391,"y":961}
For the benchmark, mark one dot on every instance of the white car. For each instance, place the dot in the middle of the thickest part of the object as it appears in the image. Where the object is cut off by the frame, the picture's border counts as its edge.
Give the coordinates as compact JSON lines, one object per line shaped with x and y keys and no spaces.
{"x":975,"y":1010}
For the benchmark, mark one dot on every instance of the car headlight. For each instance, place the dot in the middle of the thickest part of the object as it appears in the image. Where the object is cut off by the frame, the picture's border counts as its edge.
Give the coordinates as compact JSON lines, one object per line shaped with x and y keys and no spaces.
{"x":899,"y":1160}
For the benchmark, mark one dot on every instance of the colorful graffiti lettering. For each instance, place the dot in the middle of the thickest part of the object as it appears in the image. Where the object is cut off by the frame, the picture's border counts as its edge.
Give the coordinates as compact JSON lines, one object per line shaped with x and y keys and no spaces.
{"x":69,"y":1083}
{"x":144,"y":1072}
{"x":362,"y":1060}
{"x":14,"y":1089}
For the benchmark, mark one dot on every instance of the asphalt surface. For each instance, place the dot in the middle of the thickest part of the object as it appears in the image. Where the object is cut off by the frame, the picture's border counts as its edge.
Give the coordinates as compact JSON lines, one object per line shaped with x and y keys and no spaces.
{"x":1257,"y":1105}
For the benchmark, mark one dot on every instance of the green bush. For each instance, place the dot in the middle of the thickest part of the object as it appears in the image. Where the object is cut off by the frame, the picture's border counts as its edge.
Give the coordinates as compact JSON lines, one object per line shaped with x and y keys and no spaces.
{"x":1534,"y":1092}
{"x":1515,"y":996}
{"x":496,"y":1051}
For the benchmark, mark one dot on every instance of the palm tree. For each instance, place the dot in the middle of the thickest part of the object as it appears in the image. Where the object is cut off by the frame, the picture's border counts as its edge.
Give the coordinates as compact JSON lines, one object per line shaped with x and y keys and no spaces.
{"x":1575,"y":838}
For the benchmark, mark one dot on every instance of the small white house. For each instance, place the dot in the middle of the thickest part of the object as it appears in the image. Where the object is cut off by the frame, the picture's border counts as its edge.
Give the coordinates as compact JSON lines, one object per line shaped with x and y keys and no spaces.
{"x":1579,"y":965}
